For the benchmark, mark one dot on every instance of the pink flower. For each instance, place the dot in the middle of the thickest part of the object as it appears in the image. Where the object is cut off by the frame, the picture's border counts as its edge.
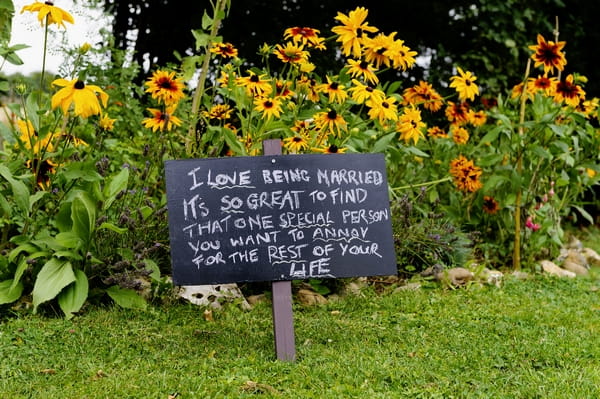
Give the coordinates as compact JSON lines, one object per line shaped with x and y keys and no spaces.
{"x":530,"y":225}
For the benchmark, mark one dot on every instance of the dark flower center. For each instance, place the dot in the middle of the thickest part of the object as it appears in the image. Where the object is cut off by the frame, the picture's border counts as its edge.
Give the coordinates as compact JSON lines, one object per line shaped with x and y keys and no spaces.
{"x":165,"y":84}
{"x":79,"y":85}
{"x":334,"y":86}
{"x":364,"y":65}
{"x":332,"y":114}
{"x":333,"y":149}
{"x":254,"y":79}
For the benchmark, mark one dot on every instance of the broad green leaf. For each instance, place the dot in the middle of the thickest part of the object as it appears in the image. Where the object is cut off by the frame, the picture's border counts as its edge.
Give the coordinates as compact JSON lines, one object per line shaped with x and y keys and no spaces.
{"x":68,"y":239}
{"x":19,"y":273}
{"x":117,"y":184}
{"x":151,"y":265}
{"x":126,"y":298}
{"x":207,"y":21}
{"x":9,"y":291}
{"x":232,"y":141}
{"x":83,"y":216}
{"x":19,"y":189}
{"x":383,"y":142}
{"x":72,"y":298}
{"x":5,"y":206}
{"x":55,"y":275}
{"x":81,"y":170}
{"x":201,"y":38}
{"x":584,"y":213}
{"x":417,"y":152}
{"x":25,"y":247}
{"x":492,"y":135}
{"x":36,"y":197}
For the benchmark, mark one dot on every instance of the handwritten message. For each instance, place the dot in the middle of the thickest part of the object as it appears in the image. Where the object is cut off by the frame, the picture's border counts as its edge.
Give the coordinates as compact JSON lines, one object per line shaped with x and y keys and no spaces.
{"x":279,"y":217}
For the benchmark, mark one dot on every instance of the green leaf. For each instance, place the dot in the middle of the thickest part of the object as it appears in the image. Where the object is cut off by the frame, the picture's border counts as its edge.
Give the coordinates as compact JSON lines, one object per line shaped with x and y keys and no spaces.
{"x":112,"y":227}
{"x":151,"y":265}
{"x":19,"y":273}
{"x":585,"y":214}
{"x":232,"y":141}
{"x":383,"y":142}
{"x":126,"y":298}
{"x":81,"y":170}
{"x":417,"y":152}
{"x":201,"y":38}
{"x":9,"y":291}
{"x":72,"y":298}
{"x":207,"y":21}
{"x":83,"y":215}
{"x":117,"y":184}
{"x":19,"y":189}
{"x":55,"y":275}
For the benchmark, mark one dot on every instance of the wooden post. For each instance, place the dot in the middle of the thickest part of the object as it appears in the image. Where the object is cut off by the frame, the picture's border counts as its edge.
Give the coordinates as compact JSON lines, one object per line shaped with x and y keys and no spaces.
{"x":283,"y":320}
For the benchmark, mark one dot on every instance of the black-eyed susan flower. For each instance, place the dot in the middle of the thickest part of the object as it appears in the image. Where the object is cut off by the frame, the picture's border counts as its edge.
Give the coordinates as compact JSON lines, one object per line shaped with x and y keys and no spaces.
{"x":296,"y":143}
{"x":376,"y":49}
{"x":334,"y":90}
{"x":162,"y":119}
{"x":589,"y":107}
{"x":401,"y":55}
{"x":460,"y":135}
{"x":437,"y":132}
{"x":490,"y":205}
{"x":218,"y":112}
{"x":268,"y":107}
{"x":352,"y":31}
{"x":302,"y":128}
{"x":548,"y":54}
{"x":382,"y":108}
{"x":258,"y":86}
{"x":84,"y":97}
{"x":423,"y":94}
{"x":30,"y":139}
{"x":330,"y":122}
{"x":361,"y":92}
{"x":330,"y":149}
{"x":307,"y":36}
{"x":545,"y":84}
{"x":364,"y":69}
{"x":43,"y":170}
{"x":48,"y":12}
{"x":569,"y":92}
{"x":309,"y":87}
{"x":164,"y":86}
{"x":225,"y":50}
{"x":466,"y":175}
{"x":292,"y":53}
{"x":464,"y":84}
{"x":106,"y":123}
{"x":410,"y":125}
{"x":282,"y":89}
{"x":477,"y":118}
{"x":457,"y":113}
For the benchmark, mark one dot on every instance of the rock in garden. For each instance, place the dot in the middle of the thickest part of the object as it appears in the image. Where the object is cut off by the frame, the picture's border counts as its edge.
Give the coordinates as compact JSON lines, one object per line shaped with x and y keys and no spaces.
{"x":492,"y":277}
{"x":575,"y":267}
{"x":213,"y":295}
{"x":254,"y":299}
{"x":308,"y":297}
{"x":455,"y":277}
{"x":408,"y":287}
{"x":591,"y":256}
{"x":551,"y":268}
{"x":576,"y":256}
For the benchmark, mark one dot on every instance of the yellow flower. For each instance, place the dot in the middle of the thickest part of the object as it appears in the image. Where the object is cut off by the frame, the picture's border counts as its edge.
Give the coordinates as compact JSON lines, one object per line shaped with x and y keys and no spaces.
{"x":568,"y":92}
{"x":548,"y":54}
{"x":255,"y":85}
{"x":49,"y":13}
{"x":295,"y":143}
{"x":306,"y":36}
{"x":351,"y":32}
{"x":164,"y":86}
{"x":162,"y":120}
{"x":225,"y":50}
{"x":84,"y":97}
{"x":425,"y":94}
{"x":219,"y":112}
{"x":30,"y":139}
{"x":464,"y":85}
{"x":269,"y":107}
{"x":361,"y":92}
{"x":382,"y":108}
{"x":364,"y":69}
{"x":330,"y":122}
{"x":460,"y":135}
{"x":291,"y":53}
{"x":410,"y":125}
{"x":330,"y":149}
{"x":106,"y":123}
{"x":466,"y":174}
{"x":334,"y":90}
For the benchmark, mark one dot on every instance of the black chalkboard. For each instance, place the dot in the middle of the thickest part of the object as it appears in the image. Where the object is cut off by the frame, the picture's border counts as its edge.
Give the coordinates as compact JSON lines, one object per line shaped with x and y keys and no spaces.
{"x":280,"y":217}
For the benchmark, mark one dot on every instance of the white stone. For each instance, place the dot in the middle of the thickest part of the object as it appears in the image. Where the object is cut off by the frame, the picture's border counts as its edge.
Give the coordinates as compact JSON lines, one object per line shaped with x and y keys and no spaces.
{"x":551,"y":268}
{"x":212,"y":295}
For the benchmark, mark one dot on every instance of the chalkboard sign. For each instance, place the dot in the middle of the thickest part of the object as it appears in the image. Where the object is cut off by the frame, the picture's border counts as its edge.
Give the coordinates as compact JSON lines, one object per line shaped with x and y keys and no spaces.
{"x":280,"y":217}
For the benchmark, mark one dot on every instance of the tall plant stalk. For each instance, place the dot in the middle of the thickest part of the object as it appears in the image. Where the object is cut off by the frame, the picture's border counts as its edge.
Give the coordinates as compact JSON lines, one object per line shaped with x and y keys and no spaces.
{"x":219,"y":9}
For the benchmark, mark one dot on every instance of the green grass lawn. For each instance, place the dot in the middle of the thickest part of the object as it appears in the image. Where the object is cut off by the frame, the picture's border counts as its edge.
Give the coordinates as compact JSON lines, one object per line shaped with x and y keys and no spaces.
{"x":529,"y":339}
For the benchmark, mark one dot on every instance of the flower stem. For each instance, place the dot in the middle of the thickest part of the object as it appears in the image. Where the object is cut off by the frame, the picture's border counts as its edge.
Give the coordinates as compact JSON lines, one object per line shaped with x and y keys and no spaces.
{"x":44,"y":54}
{"x":427,"y":183}
{"x":218,"y":12}
{"x":517,"y":240}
